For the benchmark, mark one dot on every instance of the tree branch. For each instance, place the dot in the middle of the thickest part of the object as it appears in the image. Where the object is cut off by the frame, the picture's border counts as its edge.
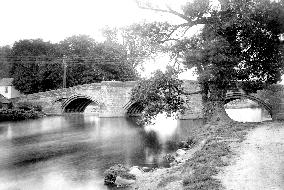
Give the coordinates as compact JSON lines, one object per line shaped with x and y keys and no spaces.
{"x":171,"y":11}
{"x":167,"y":38}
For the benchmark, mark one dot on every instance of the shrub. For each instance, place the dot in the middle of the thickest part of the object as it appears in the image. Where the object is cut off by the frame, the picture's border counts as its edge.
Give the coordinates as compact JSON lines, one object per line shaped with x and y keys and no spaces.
{"x":18,"y":114}
{"x":29,"y":106}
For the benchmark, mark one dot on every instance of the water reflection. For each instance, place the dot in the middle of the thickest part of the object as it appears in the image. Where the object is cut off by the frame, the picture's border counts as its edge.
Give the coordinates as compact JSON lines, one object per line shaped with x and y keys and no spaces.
{"x":163,"y":126}
{"x":249,"y":114}
{"x":73,"y":151}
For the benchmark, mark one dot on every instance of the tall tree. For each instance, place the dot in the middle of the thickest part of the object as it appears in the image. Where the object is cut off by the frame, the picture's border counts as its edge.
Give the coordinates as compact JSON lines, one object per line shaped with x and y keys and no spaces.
{"x":239,"y":42}
{"x":29,"y":59}
{"x":37,"y":65}
{"x":89,"y":61}
{"x":4,"y":63}
{"x":77,"y":45}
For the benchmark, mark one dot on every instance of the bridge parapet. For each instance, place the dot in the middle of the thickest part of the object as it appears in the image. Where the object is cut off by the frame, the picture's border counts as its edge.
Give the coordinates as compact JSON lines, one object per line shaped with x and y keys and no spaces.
{"x":112,"y":98}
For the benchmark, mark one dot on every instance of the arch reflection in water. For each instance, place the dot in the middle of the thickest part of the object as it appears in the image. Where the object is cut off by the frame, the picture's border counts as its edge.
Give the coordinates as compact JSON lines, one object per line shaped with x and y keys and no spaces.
{"x":77,"y":149}
{"x":245,"y":110}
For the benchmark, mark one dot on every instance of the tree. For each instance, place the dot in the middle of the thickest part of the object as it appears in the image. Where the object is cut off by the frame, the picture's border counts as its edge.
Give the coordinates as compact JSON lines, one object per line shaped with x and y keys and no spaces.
{"x":37,"y":65}
{"x":135,"y":42}
{"x":4,"y":64}
{"x":89,"y":61}
{"x":30,"y":61}
{"x":114,"y":62}
{"x":239,"y":42}
{"x":77,"y":45}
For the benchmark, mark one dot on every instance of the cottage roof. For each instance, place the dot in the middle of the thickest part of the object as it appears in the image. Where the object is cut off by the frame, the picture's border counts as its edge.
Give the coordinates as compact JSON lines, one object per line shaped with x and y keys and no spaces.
{"x":6,"y":82}
{"x":3,"y":100}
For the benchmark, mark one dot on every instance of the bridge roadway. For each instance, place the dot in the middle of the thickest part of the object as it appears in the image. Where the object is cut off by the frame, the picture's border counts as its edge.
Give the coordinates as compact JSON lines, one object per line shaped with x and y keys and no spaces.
{"x":112,"y":99}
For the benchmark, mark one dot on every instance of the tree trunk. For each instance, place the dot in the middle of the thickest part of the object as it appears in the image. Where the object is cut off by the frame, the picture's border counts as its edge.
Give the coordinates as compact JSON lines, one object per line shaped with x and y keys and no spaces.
{"x":213,"y":105}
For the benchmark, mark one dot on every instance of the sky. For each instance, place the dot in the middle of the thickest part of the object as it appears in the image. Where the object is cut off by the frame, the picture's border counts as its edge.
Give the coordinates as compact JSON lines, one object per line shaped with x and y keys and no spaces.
{"x":55,"y":20}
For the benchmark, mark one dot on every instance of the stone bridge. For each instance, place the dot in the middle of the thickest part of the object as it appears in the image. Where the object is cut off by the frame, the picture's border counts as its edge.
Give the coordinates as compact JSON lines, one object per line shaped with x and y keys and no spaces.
{"x":112,"y":99}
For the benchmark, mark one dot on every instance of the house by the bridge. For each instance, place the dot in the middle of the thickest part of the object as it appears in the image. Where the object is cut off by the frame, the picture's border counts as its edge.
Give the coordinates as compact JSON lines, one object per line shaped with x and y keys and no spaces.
{"x":5,"y":103}
{"x":7,"y":89}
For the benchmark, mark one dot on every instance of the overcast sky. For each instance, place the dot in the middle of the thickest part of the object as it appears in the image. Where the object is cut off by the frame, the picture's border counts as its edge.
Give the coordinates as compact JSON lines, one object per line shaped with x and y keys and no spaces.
{"x":54,"y":20}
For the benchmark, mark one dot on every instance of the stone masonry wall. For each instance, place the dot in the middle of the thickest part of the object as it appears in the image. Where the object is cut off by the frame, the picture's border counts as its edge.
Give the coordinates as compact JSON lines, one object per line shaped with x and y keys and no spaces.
{"x":115,"y":96}
{"x":112,"y":96}
{"x":274,"y":95}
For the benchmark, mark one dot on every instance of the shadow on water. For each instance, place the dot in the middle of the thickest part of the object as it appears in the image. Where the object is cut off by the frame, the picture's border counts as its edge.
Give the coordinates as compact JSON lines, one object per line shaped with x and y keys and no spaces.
{"x":73,"y":151}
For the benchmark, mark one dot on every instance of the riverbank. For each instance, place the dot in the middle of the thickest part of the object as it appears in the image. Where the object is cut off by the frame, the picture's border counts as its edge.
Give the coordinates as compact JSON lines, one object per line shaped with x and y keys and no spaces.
{"x":19,"y":114}
{"x":203,"y":163}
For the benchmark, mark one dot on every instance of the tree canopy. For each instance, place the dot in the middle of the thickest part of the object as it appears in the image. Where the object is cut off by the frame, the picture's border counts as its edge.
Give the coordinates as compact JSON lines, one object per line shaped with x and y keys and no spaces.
{"x":30,"y":65}
{"x":37,"y":65}
{"x":240,"y":41}
{"x":4,"y":63}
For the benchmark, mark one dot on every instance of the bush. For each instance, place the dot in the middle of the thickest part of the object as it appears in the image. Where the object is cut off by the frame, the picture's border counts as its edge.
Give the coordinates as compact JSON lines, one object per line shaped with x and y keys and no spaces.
{"x":29,"y":106}
{"x":18,"y":114}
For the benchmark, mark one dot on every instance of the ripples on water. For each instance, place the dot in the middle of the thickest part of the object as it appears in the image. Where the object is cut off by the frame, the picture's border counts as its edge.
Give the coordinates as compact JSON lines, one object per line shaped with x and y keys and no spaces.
{"x":72,"y":152}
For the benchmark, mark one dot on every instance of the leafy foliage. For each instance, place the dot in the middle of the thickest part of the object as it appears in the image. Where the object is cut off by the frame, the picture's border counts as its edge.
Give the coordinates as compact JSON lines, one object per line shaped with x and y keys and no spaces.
{"x":28,"y":58}
{"x":38,"y":66}
{"x":239,"y":41}
{"x":18,"y":114}
{"x":158,"y":94}
{"x":4,"y":64}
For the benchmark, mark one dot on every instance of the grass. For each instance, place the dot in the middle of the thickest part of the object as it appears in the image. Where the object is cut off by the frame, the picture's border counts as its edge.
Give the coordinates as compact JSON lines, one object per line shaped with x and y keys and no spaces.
{"x":165,"y":181}
{"x":199,"y":172}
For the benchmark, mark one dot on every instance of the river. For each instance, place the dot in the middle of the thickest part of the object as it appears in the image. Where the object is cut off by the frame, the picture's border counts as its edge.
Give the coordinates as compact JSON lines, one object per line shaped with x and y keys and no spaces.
{"x":72,"y":151}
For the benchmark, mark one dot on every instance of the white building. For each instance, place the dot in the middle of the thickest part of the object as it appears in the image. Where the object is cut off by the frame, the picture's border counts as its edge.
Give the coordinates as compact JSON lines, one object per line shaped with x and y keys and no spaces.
{"x":7,"y":89}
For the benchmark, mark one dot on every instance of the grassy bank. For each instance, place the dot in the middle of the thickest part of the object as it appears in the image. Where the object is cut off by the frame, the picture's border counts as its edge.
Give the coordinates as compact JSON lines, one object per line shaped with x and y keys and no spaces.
{"x":216,"y":153}
{"x":199,"y":171}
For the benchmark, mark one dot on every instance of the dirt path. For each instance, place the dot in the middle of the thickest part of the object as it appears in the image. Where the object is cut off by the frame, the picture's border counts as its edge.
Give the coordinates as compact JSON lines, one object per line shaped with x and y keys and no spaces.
{"x":259,"y":161}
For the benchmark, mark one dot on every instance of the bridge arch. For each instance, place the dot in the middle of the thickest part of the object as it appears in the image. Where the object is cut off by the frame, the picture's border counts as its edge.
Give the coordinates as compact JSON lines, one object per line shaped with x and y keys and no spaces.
{"x":135,"y":108}
{"x":77,"y":103}
{"x":238,"y":95}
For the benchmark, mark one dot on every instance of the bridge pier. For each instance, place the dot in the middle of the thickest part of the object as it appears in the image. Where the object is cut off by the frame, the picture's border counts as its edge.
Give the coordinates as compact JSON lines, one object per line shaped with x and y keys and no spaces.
{"x":278,"y":112}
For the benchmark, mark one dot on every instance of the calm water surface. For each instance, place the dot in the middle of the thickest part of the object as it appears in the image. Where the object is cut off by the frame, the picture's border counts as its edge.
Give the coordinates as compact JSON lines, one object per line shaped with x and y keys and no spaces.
{"x":72,"y":152}
{"x":249,"y":114}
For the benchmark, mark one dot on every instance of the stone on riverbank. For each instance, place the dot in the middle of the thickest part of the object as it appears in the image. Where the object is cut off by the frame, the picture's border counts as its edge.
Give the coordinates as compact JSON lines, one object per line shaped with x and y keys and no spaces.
{"x":122,"y":182}
{"x":115,"y":171}
{"x":180,"y":152}
{"x":135,"y":171}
